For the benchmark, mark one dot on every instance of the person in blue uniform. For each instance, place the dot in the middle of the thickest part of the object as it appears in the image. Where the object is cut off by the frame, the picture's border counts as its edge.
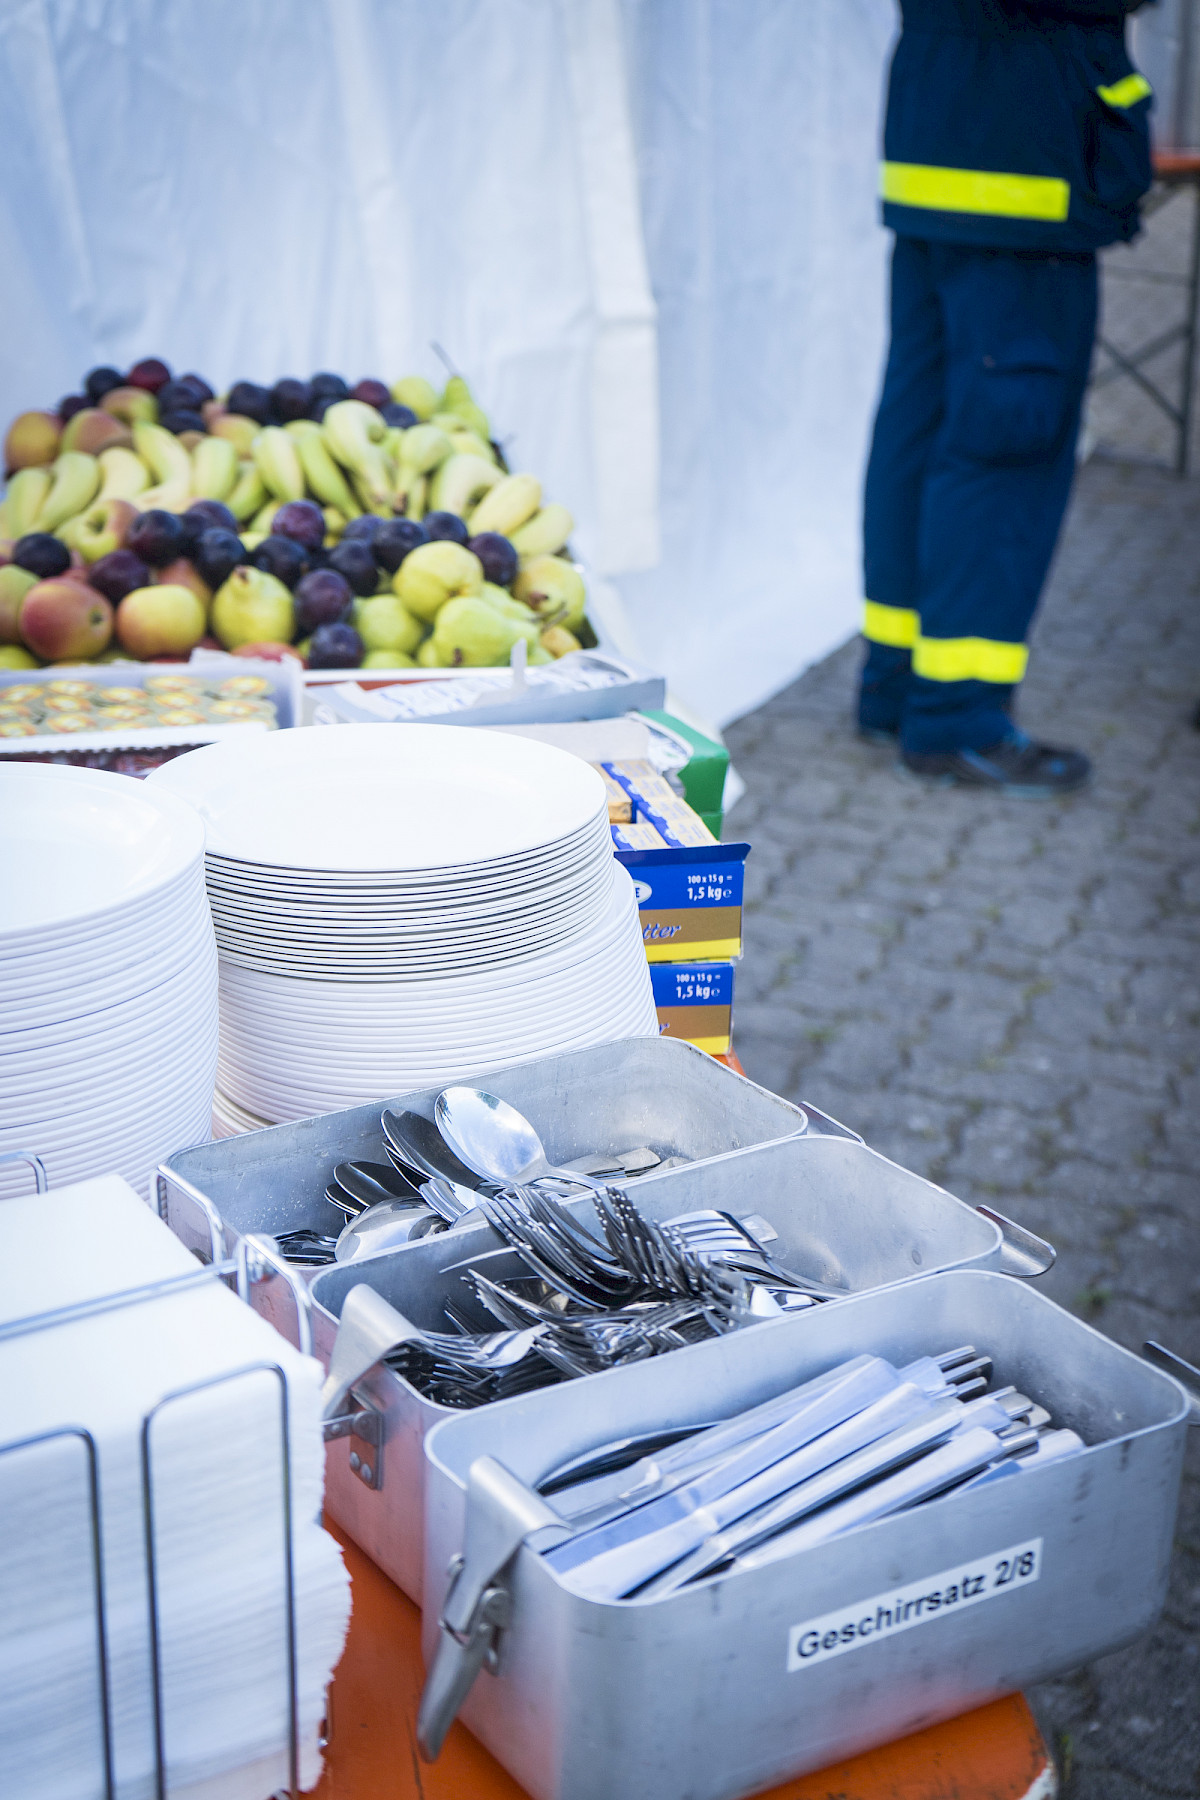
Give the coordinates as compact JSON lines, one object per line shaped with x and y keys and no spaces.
{"x":1016,"y":144}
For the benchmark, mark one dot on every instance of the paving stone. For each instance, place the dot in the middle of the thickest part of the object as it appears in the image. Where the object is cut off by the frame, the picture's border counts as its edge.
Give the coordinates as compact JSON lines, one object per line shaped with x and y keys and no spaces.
{"x":1006,"y":999}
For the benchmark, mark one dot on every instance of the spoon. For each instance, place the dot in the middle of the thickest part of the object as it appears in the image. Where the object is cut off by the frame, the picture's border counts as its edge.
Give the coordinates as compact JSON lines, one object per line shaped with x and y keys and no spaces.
{"x":420,"y":1144}
{"x":384,"y":1227}
{"x":497,"y":1141}
{"x":450,"y":1199}
{"x":371,"y":1182}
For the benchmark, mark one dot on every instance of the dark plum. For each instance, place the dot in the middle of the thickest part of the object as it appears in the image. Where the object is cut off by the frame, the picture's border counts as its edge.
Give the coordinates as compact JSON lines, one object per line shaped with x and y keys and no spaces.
{"x":291,"y":398}
{"x":180,"y":396}
{"x":335,"y":646}
{"x":217,"y":554}
{"x":321,"y":406}
{"x":70,"y":404}
{"x":41,"y":554}
{"x":395,"y":414}
{"x":372,"y":393}
{"x":367,"y":529}
{"x":445,"y":525}
{"x":282,"y":557}
{"x":151,"y":373}
{"x":322,"y":598}
{"x":182,"y":419}
{"x":498,"y":556}
{"x":302,"y":520}
{"x":355,"y":561}
{"x":201,"y":387}
{"x":205,"y":515}
{"x":98,"y":382}
{"x":329,"y":387}
{"x":156,"y":536}
{"x":252,"y":401}
{"x":117,"y":574}
{"x":394,"y":541}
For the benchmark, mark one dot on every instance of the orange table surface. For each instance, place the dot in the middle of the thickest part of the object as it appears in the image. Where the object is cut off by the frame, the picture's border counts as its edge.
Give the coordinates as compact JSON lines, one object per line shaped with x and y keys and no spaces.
{"x":996,"y":1753}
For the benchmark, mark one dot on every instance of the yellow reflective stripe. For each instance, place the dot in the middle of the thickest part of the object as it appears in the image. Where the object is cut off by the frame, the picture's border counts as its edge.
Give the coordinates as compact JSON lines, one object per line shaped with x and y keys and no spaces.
{"x":893,"y":625}
{"x":969,"y":659}
{"x":975,"y":191}
{"x":1126,"y":92}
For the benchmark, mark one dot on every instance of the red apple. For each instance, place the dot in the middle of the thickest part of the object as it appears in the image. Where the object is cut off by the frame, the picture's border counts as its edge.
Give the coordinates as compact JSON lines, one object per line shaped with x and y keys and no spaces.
{"x":150,"y":374}
{"x":183,"y":573}
{"x":65,"y":620}
{"x":93,"y":430}
{"x":160,"y":621}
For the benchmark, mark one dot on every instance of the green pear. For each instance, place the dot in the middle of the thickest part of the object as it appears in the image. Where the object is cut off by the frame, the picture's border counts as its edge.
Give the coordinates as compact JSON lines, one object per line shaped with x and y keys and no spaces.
{"x":554,"y":589}
{"x":469,"y":633}
{"x":384,"y":623}
{"x":417,"y":394}
{"x":387,"y":659}
{"x":434,"y":573}
{"x":427,"y":655}
{"x":252,"y":607}
{"x":15,"y":583}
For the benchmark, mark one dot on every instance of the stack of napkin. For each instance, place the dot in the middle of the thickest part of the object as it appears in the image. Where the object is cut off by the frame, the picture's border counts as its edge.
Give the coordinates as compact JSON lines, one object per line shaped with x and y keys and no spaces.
{"x":217,"y":1505}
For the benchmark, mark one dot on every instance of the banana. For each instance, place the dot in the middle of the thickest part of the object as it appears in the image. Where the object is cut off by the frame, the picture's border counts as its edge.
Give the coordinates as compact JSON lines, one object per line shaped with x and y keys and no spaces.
{"x":416,"y":393}
{"x":168,"y":496}
{"x":323,"y":475}
{"x":335,"y":521}
{"x":353,"y":434}
{"x":460,"y":483}
{"x":76,"y":479}
{"x":415,"y":500}
{"x":214,"y":468}
{"x":469,"y":444}
{"x":510,"y":503}
{"x":418,"y":451}
{"x":278,"y":463}
{"x":546,"y":532}
{"x":163,"y":454}
{"x":27,"y":493}
{"x":301,"y":427}
{"x":248,"y":495}
{"x":264,"y":518}
{"x":123,"y":474}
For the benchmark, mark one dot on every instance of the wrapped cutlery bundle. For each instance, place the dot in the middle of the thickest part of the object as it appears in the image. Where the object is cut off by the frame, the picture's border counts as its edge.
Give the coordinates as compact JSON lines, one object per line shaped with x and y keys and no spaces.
{"x":784,"y":1546}
{"x":164,"y":1631}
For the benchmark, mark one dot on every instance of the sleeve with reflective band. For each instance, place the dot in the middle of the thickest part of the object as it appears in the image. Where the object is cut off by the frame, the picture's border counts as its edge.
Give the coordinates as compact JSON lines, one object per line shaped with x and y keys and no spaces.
{"x":894,"y":625}
{"x":969,"y":659}
{"x":1126,"y":93}
{"x":976,"y":191}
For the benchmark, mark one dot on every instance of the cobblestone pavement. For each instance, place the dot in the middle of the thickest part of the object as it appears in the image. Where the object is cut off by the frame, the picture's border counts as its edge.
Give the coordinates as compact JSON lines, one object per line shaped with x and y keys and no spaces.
{"x":1005,"y":996}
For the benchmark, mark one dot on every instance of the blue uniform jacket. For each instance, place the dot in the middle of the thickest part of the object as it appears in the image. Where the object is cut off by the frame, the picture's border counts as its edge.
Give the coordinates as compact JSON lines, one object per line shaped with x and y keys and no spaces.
{"x":1016,"y":123}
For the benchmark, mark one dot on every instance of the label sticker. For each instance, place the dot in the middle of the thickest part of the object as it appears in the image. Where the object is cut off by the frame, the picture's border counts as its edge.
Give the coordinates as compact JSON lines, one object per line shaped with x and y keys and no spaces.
{"x":883,"y":1615}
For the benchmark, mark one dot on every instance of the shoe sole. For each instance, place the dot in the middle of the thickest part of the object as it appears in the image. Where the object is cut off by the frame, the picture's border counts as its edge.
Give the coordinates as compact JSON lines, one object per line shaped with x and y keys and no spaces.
{"x":1010,"y":789}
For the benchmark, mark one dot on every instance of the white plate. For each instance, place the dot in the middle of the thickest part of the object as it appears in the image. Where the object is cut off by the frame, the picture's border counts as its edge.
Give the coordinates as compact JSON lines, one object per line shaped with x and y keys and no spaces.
{"x":373,"y":797}
{"x":119,"y":1084}
{"x":139,"y":918}
{"x":97,"y":1035}
{"x":76,"y":844}
{"x":51,"y":1000}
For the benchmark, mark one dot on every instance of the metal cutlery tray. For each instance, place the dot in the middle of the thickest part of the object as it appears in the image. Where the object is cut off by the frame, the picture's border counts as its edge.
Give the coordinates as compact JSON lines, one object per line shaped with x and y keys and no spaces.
{"x":745,"y":1681}
{"x":654,"y":1091}
{"x":842,"y":1212}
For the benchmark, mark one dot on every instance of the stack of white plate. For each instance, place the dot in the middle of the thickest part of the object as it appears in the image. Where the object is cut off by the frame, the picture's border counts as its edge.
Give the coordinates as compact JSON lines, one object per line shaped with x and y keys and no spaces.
{"x":108,"y":976}
{"x":398,"y":904}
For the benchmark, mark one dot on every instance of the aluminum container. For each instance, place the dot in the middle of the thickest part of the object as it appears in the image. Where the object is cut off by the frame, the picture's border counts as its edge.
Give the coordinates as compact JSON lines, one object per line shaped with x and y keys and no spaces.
{"x":843,"y":1213}
{"x":654,"y":1091}
{"x":737,"y":1684}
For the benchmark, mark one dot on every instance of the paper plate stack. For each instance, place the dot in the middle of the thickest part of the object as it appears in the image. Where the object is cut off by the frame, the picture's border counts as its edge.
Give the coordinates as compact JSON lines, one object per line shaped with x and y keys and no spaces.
{"x":108,"y":976}
{"x":395,"y":904}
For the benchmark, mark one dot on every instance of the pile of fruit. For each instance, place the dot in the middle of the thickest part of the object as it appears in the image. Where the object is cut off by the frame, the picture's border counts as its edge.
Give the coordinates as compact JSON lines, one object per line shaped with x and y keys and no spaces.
{"x":366,"y":527}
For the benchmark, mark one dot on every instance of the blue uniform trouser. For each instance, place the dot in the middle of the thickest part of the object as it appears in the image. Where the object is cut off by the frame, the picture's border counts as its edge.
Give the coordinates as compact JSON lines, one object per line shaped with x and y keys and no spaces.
{"x":968,"y":480}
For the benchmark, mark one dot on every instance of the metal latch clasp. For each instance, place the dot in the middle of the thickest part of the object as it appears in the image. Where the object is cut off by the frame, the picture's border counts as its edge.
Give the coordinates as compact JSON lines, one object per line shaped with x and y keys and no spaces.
{"x":364,"y":1426}
{"x":502,"y":1514}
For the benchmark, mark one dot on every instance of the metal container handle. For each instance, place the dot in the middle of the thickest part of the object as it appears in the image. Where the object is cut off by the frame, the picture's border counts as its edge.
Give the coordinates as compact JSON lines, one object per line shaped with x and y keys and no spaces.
{"x":1185,"y":1374}
{"x":216,"y":1230}
{"x":1022,"y":1252}
{"x":41,"y":1183}
{"x":255,"y":1254}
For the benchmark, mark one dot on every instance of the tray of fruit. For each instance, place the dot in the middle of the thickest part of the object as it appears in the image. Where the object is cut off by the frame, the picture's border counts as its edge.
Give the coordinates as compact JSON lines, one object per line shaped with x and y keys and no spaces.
{"x":361,"y":528}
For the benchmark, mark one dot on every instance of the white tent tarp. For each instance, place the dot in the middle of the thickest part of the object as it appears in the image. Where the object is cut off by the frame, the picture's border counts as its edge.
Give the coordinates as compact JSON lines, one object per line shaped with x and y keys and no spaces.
{"x":610,"y":212}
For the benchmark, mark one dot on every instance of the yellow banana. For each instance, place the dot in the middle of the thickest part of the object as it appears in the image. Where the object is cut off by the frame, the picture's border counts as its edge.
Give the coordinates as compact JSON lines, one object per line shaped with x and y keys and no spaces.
{"x":508,"y":505}
{"x":76,"y":479}
{"x":353,"y":435}
{"x":123,"y":474}
{"x":214,"y":468}
{"x":335,"y":521}
{"x":374,"y":497}
{"x":278,"y":463}
{"x":416,"y":393}
{"x":163,"y":454}
{"x":322,"y":473}
{"x":546,"y":532}
{"x":300,"y":427}
{"x":168,"y":496}
{"x":27,"y":493}
{"x":460,"y":483}
{"x":264,"y":518}
{"x":415,"y":500}
{"x":248,"y":495}
{"x":419,"y":451}
{"x":470,"y":444}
